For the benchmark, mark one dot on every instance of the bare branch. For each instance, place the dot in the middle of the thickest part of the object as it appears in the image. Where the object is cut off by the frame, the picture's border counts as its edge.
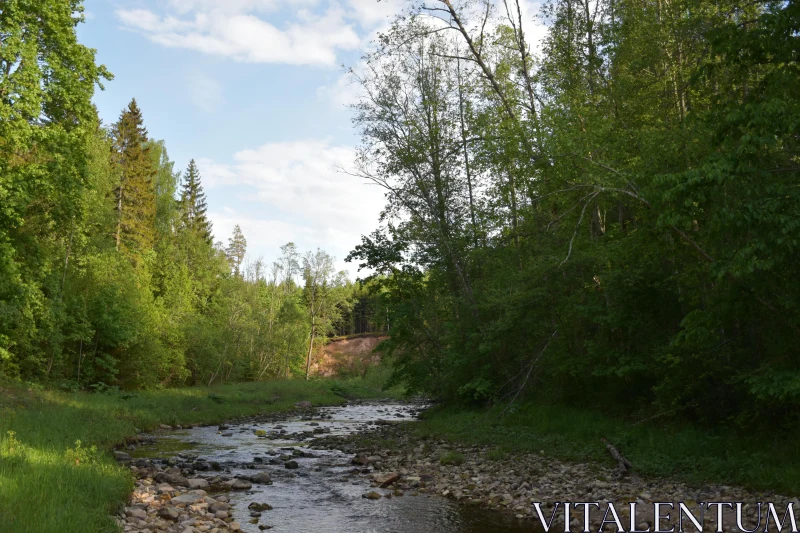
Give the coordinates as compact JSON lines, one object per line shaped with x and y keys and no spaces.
{"x":583,"y":212}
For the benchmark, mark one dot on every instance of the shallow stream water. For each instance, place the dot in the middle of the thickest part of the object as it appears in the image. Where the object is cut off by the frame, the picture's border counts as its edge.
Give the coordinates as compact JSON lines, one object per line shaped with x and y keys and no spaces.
{"x":320,"y":495}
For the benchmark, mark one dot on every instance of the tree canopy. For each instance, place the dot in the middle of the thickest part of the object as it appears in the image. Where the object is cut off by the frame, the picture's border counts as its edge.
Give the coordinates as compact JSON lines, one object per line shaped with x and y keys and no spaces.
{"x":610,"y":220}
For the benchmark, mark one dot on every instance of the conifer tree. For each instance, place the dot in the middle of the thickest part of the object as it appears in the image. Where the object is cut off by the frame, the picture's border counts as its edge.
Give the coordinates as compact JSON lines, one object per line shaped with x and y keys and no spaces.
{"x":193,"y":204}
{"x":237,"y":246}
{"x":135,"y":193}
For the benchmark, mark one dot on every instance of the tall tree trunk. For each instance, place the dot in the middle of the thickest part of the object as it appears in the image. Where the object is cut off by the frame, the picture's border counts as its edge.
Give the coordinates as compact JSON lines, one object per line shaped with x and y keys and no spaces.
{"x":119,"y":216}
{"x":466,"y":156}
{"x":310,"y":349}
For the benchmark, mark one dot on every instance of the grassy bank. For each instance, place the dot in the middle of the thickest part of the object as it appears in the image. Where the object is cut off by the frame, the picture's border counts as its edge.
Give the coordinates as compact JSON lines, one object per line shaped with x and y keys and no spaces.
{"x":56,"y":469}
{"x":759,"y":462}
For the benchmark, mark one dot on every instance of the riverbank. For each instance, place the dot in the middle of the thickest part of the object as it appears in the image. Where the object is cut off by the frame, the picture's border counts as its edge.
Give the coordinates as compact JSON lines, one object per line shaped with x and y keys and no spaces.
{"x":763,"y":461}
{"x":402,"y":460}
{"x":57,"y":471}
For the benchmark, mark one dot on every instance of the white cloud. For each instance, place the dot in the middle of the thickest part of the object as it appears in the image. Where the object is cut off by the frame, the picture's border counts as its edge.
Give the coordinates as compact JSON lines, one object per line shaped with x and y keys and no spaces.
{"x":266,"y":6}
{"x":234,"y":30}
{"x":264,"y":31}
{"x":372,"y":13}
{"x":298,"y":195}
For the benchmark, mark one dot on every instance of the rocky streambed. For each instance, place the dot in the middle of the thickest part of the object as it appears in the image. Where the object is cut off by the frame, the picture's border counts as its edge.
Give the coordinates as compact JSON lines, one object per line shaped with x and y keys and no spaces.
{"x":269,"y":473}
{"x":359,"y":468}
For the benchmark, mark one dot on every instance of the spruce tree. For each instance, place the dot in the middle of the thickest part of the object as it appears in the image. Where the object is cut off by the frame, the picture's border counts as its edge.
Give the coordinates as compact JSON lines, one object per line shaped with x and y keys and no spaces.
{"x":135,"y":193}
{"x":193,"y":204}
{"x":237,"y":246}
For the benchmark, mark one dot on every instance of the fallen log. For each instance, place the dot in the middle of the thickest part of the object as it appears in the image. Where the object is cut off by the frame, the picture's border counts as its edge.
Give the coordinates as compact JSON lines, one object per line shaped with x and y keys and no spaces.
{"x":623,"y":464}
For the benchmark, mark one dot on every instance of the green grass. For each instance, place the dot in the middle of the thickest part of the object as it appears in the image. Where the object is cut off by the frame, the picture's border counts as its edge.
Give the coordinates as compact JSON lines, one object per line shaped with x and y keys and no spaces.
{"x":452,"y":458}
{"x":56,"y":469}
{"x":496,"y":454}
{"x":759,"y":462}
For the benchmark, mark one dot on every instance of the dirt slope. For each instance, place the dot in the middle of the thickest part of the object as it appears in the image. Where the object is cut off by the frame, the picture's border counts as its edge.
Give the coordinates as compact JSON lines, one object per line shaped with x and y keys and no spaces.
{"x":347,"y":355}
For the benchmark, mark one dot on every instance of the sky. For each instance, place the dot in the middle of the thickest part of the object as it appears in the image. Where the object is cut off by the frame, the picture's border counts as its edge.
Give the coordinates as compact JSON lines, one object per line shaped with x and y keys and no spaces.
{"x":255,"y":91}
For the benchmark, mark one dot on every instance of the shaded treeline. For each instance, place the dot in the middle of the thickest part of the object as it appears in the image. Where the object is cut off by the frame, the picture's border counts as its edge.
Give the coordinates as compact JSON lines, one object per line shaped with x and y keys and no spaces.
{"x":612,"y":221}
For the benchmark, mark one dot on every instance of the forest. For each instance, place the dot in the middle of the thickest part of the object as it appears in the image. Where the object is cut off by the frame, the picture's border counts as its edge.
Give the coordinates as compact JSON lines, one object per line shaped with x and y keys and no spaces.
{"x":609,"y":222}
{"x":611,"y":219}
{"x":110,"y":274}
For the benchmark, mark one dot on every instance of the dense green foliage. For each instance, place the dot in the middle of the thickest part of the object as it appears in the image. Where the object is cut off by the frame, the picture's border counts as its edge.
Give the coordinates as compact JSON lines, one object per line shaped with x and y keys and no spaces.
{"x":612,"y":222}
{"x":109,"y":275}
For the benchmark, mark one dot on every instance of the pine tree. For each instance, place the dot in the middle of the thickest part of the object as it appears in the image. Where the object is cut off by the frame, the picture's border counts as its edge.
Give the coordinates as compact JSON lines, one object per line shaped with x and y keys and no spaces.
{"x":135,"y":193}
{"x":237,"y":246}
{"x":193,"y":204}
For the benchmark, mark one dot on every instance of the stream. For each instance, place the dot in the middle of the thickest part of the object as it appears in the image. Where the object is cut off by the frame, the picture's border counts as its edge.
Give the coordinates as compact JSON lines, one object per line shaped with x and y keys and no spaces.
{"x":321,"y":494}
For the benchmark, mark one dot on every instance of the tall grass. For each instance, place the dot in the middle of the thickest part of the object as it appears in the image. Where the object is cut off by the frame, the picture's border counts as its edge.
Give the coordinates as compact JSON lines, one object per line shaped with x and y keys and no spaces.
{"x":57,"y":473}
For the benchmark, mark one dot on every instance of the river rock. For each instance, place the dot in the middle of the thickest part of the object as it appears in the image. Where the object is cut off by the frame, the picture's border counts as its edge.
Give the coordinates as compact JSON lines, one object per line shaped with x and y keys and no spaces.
{"x":216,"y":506}
{"x":165,"y":488}
{"x":141,"y":514}
{"x":291,"y":465}
{"x":186,"y":499}
{"x":360,"y":460}
{"x":261,"y":477}
{"x":122,"y":457}
{"x":371,"y":495}
{"x":176,"y":480}
{"x":258,"y":507}
{"x":197,"y":483}
{"x":240,"y":484}
{"x":169,"y":513}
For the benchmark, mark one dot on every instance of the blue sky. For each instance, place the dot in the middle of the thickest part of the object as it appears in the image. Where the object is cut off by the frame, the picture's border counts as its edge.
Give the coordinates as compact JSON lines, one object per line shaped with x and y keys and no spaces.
{"x":254,"y":91}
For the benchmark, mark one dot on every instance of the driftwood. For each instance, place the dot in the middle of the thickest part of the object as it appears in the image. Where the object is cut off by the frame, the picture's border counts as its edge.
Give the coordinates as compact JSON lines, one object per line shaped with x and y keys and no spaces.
{"x":386,"y":481}
{"x":623,"y":464}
